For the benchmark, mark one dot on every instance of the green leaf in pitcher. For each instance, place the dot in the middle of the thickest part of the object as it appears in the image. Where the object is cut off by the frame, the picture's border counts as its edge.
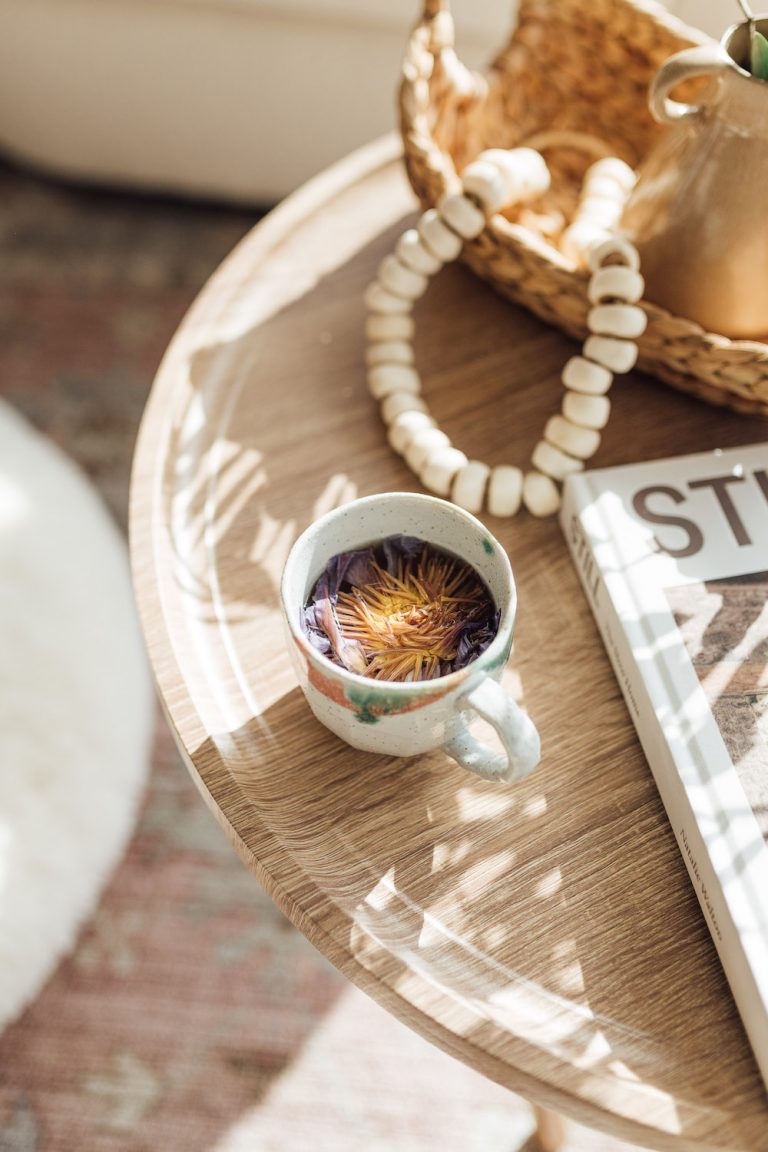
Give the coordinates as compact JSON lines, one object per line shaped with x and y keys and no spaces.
{"x":758,"y":56}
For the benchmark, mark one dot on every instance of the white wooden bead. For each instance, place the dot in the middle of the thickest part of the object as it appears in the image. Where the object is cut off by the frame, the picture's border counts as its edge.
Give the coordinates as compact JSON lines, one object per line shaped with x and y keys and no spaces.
{"x":438,"y":237}
{"x":405,"y":426}
{"x":401,"y":281}
{"x":468,"y":488}
{"x":583,"y":376}
{"x":617,"y":283}
{"x":440,"y":469}
{"x":605,"y":188}
{"x":414,"y":254}
{"x":540,"y":494}
{"x":614,"y":248}
{"x":378,"y":299}
{"x":505,"y":490}
{"x":571,"y":438}
{"x":618,"y":355}
{"x":389,"y":352}
{"x":615,"y":170}
{"x":553,"y":462}
{"x":461,"y":215}
{"x":397,"y":403}
{"x":384,"y":379}
{"x":599,"y":212}
{"x":422,"y":445}
{"x":486,"y":182}
{"x":589,"y":411}
{"x":381,"y":327}
{"x":580,"y":238}
{"x":524,"y":169}
{"x":623,"y":320}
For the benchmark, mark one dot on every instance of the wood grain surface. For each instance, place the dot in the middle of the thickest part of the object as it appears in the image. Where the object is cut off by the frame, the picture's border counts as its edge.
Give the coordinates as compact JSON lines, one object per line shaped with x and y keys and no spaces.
{"x":545,"y":933}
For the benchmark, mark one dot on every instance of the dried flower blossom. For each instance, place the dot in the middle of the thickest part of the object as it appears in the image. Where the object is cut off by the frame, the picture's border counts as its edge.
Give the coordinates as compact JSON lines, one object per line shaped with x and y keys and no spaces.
{"x":402,"y":610}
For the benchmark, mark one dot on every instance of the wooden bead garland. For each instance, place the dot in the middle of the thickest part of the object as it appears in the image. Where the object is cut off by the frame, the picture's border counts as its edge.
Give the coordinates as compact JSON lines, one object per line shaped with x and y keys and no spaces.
{"x":495,"y":179}
{"x":604,"y":192}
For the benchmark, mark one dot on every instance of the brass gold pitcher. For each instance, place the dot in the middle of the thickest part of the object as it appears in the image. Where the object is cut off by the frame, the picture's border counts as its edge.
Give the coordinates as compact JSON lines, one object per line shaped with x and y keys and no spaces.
{"x":699,"y":212}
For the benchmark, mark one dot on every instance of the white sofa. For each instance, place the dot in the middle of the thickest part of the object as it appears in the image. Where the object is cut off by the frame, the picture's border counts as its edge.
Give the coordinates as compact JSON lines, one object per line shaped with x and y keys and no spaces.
{"x":235,"y":99}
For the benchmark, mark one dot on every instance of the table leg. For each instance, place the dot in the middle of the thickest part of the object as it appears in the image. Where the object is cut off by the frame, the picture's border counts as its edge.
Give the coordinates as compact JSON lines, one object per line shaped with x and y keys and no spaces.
{"x":550,"y":1130}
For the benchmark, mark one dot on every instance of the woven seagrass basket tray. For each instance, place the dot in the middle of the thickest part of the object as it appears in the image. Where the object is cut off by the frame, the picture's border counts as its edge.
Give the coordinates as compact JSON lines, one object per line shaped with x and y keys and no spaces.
{"x":573,"y":82}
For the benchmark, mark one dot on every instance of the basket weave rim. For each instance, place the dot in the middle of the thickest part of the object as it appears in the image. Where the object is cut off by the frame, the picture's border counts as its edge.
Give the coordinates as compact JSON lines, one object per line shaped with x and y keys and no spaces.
{"x":430,"y":49}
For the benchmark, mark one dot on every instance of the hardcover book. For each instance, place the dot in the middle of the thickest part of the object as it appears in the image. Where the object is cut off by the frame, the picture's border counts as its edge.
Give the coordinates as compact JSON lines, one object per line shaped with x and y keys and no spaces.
{"x":673,"y":556}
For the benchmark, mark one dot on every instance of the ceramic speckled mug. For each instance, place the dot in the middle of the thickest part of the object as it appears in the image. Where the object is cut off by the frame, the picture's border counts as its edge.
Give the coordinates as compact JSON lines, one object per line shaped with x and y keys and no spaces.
{"x":406,"y":719}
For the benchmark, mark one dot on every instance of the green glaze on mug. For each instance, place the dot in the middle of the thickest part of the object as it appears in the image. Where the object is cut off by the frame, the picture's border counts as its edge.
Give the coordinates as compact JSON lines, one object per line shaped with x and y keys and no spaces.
{"x":371,"y":702}
{"x":371,"y":706}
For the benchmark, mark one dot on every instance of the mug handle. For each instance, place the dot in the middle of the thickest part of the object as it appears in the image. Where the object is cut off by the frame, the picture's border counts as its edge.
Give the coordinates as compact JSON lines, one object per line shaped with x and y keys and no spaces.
{"x":518,"y":734}
{"x":704,"y":60}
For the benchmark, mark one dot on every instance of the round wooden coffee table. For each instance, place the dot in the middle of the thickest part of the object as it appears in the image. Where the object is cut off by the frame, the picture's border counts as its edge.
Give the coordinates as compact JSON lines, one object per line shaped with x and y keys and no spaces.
{"x":545,"y":933}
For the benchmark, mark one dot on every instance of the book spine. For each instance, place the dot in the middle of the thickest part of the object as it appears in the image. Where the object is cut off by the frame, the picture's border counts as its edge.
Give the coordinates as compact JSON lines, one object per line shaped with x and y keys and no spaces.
{"x":671,"y":788}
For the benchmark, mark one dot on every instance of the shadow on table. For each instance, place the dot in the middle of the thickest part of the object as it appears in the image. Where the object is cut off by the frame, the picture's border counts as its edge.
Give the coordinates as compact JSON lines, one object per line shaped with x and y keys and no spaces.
{"x":275,"y":426}
{"x":440,"y":895}
{"x":486,"y":908}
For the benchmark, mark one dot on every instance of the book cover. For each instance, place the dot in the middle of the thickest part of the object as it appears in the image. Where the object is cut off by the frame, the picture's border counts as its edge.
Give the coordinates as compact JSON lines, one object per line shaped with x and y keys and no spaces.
{"x":673,"y":556}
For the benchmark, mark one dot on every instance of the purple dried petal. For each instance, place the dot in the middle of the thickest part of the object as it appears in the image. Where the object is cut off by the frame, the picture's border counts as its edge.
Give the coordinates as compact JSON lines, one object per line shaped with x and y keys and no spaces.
{"x":348,"y":652}
{"x":400,"y":547}
{"x":314,"y":631}
{"x":346,"y":567}
{"x":476,"y":636}
{"x":325,"y":618}
{"x":308,"y":619}
{"x":466,"y":648}
{"x":359,"y":570}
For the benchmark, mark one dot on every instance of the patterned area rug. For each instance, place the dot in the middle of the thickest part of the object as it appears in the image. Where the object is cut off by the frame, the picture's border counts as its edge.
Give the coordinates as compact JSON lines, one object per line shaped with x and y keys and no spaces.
{"x":191,"y":1015}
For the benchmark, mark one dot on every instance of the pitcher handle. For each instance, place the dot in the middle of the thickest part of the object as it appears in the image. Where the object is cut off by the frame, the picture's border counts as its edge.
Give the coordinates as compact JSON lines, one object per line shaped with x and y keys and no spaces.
{"x":704,"y":60}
